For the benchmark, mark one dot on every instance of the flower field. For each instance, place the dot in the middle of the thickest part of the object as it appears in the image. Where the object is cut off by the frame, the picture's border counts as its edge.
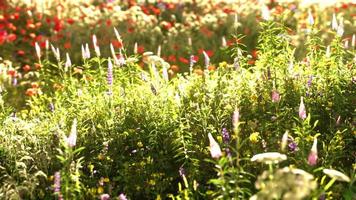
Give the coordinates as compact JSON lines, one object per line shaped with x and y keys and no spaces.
{"x":177,"y":100}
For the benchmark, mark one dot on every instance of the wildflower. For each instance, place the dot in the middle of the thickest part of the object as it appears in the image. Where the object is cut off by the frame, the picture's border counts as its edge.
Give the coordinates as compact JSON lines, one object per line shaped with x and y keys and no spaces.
{"x":56,"y":52}
{"x":266,"y":14}
{"x":310,"y":81}
{"x":122,"y":197}
{"x":337,"y":175}
{"x":225,"y":136}
{"x":87,"y":51}
{"x":192,"y":61}
{"x":236,"y":63}
{"x":334,"y":24}
{"x":284,"y":140}
{"x":38,"y":50}
{"x":118,"y":37}
{"x":83,"y":53}
{"x":215,"y":150}
{"x":340,"y":29}
{"x":346,"y":44}
{"x":68,"y":62}
{"x":57,"y":185}
{"x":310,"y":18}
{"x":206,"y":60}
{"x":254,"y":137}
{"x":96,"y":47}
{"x":293,"y":146}
{"x":302,"y":111}
{"x":165,"y":73}
{"x":223,"y":42}
{"x":113,"y":53}
{"x":159,"y":51}
{"x":135,"y":48}
{"x":236,"y":21}
{"x":275,"y":96}
{"x":110,"y":75}
{"x":313,"y":155}
{"x":47,"y":45}
{"x":72,"y":139}
{"x":353,"y":41}
{"x":14,"y":81}
{"x":104,"y":197}
{"x":269,"y":158}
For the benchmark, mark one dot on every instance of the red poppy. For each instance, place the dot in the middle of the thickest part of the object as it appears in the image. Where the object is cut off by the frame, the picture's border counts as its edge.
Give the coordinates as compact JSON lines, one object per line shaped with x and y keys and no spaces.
{"x":31,"y":91}
{"x":175,"y":68}
{"x":70,"y":21}
{"x":254,"y":53}
{"x":11,"y":72}
{"x":183,"y":60}
{"x":20,"y":52}
{"x":117,"y":44}
{"x":211,"y":68}
{"x":26,"y":68}
{"x":67,"y":45}
{"x":11,"y":37}
{"x":172,"y":58}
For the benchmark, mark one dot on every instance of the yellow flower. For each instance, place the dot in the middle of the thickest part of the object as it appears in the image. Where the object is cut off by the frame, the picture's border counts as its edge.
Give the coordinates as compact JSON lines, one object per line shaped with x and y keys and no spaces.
{"x":139,"y":144}
{"x":255,"y":137}
{"x":106,"y":180}
{"x":100,"y":190}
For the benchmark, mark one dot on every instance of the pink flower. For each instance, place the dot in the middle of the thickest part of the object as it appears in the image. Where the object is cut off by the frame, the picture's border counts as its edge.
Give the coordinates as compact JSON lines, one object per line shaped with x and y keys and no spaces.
{"x":215,"y":150}
{"x":313,"y":155}
{"x":104,"y":197}
{"x":302,"y":111}
{"x":275,"y":96}
{"x":122,"y":197}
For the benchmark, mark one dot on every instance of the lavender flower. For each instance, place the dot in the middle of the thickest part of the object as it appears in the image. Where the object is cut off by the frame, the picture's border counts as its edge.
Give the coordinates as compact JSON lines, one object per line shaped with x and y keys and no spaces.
{"x":225,"y":136}
{"x":215,"y":150}
{"x":309,"y":83}
{"x":302,"y":111}
{"x":293,"y":147}
{"x":110,"y":75}
{"x":57,"y":182}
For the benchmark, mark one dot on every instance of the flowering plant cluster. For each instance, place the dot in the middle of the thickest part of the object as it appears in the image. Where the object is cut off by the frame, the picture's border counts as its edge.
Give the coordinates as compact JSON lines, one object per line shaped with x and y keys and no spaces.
{"x":111,"y":121}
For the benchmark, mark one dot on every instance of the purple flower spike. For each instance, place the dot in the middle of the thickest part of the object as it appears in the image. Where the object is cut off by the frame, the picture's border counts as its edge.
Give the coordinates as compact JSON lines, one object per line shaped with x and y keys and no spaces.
{"x":225,"y":136}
